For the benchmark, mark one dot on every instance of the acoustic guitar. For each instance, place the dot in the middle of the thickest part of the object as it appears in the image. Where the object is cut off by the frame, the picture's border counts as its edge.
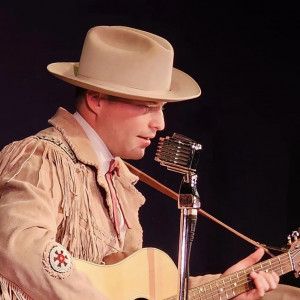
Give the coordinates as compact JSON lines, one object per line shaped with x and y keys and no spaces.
{"x":151,"y":274}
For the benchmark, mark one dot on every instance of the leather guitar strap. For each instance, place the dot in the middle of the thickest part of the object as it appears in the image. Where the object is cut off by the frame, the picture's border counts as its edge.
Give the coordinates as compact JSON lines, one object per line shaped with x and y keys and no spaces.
{"x":158,"y":186}
{"x":165,"y":190}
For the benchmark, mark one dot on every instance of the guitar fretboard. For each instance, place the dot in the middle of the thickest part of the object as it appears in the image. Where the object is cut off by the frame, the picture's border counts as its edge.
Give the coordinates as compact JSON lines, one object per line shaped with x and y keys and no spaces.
{"x":234,"y":284}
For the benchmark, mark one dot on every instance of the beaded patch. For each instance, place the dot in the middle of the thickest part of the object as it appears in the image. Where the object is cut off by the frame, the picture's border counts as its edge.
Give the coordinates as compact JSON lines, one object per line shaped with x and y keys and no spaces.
{"x":57,"y":261}
{"x":60,"y":259}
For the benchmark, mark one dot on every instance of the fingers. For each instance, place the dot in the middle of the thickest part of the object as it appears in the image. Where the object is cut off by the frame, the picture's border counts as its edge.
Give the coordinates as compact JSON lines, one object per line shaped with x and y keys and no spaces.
{"x":255,"y":256}
{"x":246,"y":262}
{"x":264,"y":282}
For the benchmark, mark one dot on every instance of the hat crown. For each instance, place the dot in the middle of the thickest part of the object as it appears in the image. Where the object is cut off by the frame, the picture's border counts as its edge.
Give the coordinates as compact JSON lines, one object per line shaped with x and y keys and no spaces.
{"x":128,"y":58}
{"x":128,"y":63}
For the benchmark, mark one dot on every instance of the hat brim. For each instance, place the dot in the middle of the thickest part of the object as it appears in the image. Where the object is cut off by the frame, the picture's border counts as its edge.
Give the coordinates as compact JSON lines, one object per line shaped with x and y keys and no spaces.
{"x":183,"y":87}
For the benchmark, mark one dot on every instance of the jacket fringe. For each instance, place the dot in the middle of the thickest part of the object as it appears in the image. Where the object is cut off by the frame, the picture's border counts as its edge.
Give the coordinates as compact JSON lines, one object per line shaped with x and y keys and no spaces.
{"x":80,"y":242}
{"x":9,"y":291}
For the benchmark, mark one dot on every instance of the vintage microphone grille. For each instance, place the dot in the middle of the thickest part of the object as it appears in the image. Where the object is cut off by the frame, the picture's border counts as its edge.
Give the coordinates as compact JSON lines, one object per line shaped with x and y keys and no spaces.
{"x":178,"y":153}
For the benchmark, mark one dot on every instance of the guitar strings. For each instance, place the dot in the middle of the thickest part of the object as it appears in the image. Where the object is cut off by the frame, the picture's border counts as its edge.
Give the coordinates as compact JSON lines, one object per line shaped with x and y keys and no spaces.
{"x":208,"y":291}
{"x":243,"y":279}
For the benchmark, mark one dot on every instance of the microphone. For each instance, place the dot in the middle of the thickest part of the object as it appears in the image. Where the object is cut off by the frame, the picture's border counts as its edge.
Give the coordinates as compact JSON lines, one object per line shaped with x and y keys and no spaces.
{"x":178,"y":153}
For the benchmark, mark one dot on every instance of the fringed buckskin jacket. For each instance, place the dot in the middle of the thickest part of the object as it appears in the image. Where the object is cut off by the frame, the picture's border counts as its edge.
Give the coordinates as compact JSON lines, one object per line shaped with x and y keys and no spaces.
{"x":55,"y":205}
{"x":53,"y":195}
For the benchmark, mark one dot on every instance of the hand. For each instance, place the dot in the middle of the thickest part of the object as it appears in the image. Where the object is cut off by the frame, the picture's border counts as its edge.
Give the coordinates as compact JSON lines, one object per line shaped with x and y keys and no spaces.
{"x":263,"y":281}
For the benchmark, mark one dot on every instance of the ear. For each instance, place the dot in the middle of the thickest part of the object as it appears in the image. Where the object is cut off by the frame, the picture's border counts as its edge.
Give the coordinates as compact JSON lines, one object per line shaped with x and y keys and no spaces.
{"x":93,"y":100}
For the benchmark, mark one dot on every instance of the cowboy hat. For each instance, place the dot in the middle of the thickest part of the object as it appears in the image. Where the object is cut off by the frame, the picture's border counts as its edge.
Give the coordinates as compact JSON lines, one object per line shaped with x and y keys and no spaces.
{"x":129,"y":63}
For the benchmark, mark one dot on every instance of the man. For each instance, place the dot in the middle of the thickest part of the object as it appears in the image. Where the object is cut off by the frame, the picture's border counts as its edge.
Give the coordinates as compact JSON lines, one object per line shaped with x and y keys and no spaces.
{"x":66,"y":192}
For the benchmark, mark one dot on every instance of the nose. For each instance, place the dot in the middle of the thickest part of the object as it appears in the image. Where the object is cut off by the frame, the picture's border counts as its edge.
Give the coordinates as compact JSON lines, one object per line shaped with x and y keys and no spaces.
{"x":157,"y":120}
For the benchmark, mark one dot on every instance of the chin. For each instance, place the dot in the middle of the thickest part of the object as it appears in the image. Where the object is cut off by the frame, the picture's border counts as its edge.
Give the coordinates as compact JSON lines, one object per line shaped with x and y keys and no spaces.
{"x":134,"y":155}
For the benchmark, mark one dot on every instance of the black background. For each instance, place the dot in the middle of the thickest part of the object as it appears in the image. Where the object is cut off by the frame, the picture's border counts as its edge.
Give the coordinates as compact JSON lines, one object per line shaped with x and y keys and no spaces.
{"x":245,"y":57}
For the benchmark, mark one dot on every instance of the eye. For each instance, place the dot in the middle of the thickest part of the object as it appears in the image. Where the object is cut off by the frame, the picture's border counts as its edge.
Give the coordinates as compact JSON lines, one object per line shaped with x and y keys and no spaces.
{"x":153,"y":107}
{"x":148,"y":107}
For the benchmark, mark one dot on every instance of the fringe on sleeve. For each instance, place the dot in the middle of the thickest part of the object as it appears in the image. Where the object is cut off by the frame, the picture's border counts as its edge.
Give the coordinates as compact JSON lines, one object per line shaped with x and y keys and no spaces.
{"x":10,"y":291}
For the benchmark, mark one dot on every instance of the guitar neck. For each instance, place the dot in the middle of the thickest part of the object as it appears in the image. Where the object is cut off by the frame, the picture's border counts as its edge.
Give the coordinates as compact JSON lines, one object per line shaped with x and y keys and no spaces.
{"x":227,"y":287}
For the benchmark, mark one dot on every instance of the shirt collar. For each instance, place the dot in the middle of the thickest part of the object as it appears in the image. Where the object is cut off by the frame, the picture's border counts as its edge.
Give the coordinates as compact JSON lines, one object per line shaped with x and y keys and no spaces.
{"x":103,"y":154}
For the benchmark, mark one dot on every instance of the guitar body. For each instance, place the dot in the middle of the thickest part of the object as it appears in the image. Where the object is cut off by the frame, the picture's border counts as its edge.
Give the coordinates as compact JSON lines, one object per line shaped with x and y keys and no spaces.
{"x":148,"y":273}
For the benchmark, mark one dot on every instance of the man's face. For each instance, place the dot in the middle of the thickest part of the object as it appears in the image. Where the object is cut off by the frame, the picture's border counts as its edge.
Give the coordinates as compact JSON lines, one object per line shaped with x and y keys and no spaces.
{"x":127,"y":126}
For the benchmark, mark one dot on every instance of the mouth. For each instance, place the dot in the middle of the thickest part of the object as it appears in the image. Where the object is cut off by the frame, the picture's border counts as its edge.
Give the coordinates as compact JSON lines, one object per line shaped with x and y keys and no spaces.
{"x":146,"y":139}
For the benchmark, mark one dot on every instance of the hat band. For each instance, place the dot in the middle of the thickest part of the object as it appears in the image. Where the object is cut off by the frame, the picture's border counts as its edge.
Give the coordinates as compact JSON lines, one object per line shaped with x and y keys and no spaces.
{"x":121,"y":88}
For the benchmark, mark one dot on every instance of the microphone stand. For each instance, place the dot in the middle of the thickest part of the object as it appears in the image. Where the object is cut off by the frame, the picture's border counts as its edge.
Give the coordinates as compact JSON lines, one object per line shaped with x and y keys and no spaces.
{"x":180,"y":154}
{"x":188,"y":203}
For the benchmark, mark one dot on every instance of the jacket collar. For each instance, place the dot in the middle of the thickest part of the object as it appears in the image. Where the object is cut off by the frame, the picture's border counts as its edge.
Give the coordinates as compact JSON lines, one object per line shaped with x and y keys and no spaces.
{"x":80,"y":144}
{"x":75,"y":136}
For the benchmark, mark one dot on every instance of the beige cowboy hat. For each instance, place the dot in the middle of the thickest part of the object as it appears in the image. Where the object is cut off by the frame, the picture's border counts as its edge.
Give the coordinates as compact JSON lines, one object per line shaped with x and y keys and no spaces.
{"x":129,"y":63}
